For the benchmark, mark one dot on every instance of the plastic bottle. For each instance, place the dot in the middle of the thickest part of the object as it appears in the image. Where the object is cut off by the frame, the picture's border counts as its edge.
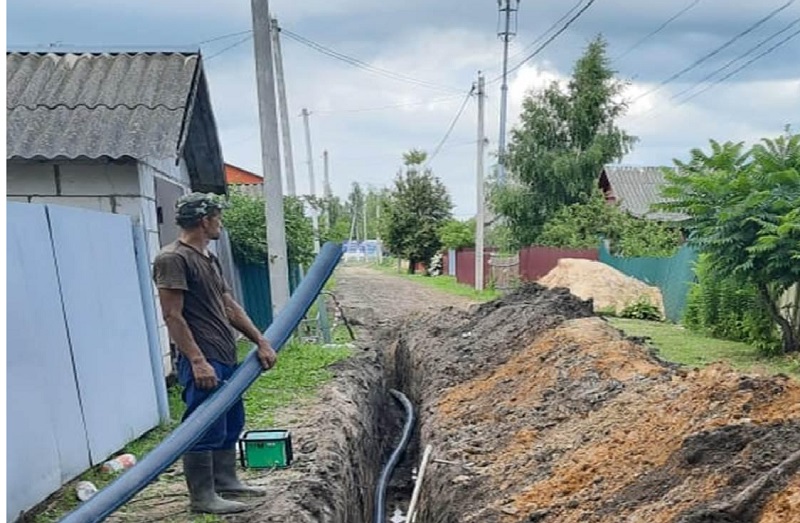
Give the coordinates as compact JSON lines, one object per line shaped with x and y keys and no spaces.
{"x":85,"y":490}
{"x":121,"y":462}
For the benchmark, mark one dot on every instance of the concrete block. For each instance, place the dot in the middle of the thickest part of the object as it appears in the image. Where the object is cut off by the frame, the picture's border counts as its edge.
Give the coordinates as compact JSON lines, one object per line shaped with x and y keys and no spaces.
{"x":20,"y":199}
{"x":129,"y":205}
{"x":95,"y":203}
{"x":101,"y":179}
{"x":147,"y":181}
{"x":30,"y":178}
{"x":149,"y":214}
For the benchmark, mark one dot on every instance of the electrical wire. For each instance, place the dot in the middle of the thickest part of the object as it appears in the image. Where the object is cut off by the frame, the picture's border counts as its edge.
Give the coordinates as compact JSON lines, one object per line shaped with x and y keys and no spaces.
{"x":735,"y":60}
{"x":743,"y":66}
{"x":716,"y":51}
{"x":657,"y":30}
{"x":364,"y":65}
{"x":228,"y":48}
{"x":450,"y":129}
{"x":550,"y":40}
{"x":224,"y":37}
{"x":385,"y":107}
{"x":551,"y":28}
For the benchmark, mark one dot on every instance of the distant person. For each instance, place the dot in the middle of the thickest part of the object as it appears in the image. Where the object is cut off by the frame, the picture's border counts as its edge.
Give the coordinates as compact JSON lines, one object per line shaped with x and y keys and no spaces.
{"x":200,"y":314}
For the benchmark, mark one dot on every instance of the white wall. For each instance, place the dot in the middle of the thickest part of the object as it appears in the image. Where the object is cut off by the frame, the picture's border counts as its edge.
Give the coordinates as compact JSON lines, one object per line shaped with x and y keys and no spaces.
{"x":116,"y":187}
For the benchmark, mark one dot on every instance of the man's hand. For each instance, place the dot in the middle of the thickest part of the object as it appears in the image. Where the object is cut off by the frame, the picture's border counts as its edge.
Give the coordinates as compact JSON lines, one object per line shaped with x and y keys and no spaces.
{"x":266,"y":355}
{"x":204,"y":376}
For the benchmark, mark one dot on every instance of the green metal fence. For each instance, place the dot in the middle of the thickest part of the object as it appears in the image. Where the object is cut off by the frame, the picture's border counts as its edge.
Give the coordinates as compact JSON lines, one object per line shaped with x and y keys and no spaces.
{"x":256,"y":290}
{"x":672,"y":275}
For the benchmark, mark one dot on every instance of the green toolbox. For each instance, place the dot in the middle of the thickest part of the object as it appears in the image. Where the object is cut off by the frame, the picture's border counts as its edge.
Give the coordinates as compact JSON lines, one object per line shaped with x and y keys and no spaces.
{"x":266,"y":449}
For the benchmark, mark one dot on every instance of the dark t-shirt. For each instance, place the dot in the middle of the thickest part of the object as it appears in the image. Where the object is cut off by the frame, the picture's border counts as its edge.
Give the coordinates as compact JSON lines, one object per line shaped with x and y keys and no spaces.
{"x":181,"y":267}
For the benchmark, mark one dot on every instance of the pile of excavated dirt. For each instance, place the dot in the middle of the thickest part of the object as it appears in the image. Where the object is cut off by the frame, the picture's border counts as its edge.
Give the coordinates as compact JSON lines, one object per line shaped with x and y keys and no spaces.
{"x":539,"y":413}
{"x":606,"y":286}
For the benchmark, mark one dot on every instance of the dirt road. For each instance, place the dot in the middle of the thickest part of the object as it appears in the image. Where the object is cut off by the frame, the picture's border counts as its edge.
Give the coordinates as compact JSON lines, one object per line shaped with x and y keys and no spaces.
{"x":388,"y":297}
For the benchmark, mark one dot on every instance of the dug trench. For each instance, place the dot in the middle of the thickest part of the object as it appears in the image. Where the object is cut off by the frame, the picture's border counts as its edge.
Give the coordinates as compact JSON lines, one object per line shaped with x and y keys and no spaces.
{"x":537,"y":411}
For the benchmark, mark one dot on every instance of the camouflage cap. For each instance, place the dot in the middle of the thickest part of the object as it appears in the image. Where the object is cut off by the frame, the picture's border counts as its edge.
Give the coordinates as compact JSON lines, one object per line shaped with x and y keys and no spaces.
{"x":199,"y":205}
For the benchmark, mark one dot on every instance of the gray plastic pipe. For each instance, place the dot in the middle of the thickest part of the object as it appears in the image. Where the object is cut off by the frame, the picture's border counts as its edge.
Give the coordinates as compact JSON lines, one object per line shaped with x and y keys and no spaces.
{"x":106,"y":501}
{"x":379,"y":512}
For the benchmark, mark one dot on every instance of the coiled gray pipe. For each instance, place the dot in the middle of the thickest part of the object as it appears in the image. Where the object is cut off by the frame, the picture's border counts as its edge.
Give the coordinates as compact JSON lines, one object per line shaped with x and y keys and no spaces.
{"x":102,"y":504}
{"x":379,"y":515}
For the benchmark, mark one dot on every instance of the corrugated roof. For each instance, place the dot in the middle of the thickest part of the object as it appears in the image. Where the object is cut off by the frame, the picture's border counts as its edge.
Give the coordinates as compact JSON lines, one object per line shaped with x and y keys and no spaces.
{"x":113,"y":105}
{"x":637,"y":188}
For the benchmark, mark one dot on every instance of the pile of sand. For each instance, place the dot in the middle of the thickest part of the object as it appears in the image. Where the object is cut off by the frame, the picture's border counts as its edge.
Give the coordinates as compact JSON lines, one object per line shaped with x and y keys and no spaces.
{"x":606,"y":286}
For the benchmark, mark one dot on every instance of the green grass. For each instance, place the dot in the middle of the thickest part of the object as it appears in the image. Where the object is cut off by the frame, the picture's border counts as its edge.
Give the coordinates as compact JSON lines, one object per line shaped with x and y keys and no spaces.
{"x":679,"y":345}
{"x":447,"y":284}
{"x":300,"y":370}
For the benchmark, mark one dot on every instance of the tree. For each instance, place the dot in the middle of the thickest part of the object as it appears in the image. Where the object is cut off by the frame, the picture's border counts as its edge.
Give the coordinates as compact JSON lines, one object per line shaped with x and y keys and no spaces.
{"x":743,"y":206}
{"x":418,"y":205}
{"x":245,"y":222}
{"x":564,"y":138}
{"x":581,"y":225}
{"x":456,"y":234}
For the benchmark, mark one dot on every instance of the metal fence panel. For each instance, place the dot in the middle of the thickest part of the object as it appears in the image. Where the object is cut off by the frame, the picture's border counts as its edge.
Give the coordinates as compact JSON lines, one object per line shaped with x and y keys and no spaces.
{"x":46,"y":436}
{"x":100,"y":289}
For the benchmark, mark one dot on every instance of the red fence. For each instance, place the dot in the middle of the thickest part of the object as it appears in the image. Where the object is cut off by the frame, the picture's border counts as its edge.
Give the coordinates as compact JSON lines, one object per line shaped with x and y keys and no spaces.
{"x":535,"y":262}
{"x":465,"y":266}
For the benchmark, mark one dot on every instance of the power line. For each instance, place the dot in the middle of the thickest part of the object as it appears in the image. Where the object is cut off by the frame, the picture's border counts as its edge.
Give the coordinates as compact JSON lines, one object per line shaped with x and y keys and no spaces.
{"x":657,"y":30}
{"x":716,"y":51}
{"x":553,"y":37}
{"x":551,"y":28}
{"x":450,"y":129}
{"x":385,"y":107}
{"x":737,"y":59}
{"x":743,"y":66}
{"x":228,"y":48}
{"x":224,"y":37}
{"x":364,"y":65}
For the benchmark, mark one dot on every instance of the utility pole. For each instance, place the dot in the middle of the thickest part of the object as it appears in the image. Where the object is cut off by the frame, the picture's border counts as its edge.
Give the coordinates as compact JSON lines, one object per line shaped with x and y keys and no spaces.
{"x":479,"y":216}
{"x":270,"y":157}
{"x":326,"y":189}
{"x":284,"y":110}
{"x":508,"y":9}
{"x":312,"y":183}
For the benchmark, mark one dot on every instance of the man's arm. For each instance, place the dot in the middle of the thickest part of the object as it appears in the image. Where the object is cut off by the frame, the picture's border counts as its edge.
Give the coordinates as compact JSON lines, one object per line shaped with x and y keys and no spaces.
{"x":242,"y":322}
{"x":172,"y":309}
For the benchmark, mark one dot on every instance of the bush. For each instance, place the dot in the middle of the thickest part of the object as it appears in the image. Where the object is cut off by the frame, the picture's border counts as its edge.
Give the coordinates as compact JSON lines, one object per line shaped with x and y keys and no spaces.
{"x":726,"y":308}
{"x":641,"y":309}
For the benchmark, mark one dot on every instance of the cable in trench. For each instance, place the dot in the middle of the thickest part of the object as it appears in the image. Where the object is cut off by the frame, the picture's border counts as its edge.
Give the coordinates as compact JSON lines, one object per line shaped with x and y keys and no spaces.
{"x":379,"y":515}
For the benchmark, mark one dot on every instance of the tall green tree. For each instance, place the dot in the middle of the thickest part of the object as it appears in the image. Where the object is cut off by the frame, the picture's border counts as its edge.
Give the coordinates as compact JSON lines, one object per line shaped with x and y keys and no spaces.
{"x":743,"y":206}
{"x":245,"y":222}
{"x":418,"y":206}
{"x":564,"y":137}
{"x":457,"y":234}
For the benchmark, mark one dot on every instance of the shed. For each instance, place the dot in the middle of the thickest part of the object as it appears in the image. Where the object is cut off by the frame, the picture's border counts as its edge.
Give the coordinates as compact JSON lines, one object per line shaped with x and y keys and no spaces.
{"x":636,"y":190}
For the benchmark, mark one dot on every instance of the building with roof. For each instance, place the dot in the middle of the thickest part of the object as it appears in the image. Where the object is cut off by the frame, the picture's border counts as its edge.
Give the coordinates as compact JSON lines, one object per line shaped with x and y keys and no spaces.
{"x":636,"y":190}
{"x":238,"y":176}
{"x":125,"y":133}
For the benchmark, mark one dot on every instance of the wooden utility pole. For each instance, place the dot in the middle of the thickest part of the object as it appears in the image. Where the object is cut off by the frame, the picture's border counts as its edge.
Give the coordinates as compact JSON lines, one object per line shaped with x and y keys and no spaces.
{"x":270,"y":157}
{"x":312,"y":183}
{"x":479,"y":216}
{"x":286,"y":138}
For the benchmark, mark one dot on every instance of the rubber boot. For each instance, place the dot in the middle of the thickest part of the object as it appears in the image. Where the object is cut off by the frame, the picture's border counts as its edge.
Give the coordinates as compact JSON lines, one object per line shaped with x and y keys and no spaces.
{"x":198,"y":468}
{"x":225,"y":480}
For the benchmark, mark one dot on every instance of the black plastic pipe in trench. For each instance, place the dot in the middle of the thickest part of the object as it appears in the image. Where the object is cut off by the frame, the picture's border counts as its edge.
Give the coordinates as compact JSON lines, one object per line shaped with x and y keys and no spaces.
{"x":379,"y":514}
{"x":106,"y":501}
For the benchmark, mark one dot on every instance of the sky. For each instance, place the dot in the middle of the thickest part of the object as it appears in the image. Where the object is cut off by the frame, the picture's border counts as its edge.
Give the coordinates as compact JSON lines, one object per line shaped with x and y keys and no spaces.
{"x":444,"y":44}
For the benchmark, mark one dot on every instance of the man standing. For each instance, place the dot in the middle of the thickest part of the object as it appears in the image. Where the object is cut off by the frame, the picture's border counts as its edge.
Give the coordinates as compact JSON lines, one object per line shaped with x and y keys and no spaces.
{"x":200,"y":312}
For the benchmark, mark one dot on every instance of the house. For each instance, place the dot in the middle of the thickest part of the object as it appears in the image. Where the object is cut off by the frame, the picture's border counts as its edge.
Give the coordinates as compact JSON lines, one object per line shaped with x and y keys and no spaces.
{"x":125,"y":133}
{"x":636,"y":189}
{"x":238,"y":176}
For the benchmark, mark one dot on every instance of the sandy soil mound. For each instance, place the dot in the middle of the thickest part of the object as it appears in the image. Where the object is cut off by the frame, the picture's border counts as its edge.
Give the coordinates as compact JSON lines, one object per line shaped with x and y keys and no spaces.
{"x":606,"y":286}
{"x":576,"y":423}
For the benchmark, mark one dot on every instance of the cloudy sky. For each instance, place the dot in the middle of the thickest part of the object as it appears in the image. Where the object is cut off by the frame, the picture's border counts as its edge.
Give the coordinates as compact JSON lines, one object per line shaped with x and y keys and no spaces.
{"x":445,"y":43}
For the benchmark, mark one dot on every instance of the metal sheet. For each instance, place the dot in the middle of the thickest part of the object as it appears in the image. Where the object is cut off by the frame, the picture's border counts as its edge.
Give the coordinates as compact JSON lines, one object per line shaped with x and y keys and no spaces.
{"x":46,"y":435}
{"x":102,"y":299}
